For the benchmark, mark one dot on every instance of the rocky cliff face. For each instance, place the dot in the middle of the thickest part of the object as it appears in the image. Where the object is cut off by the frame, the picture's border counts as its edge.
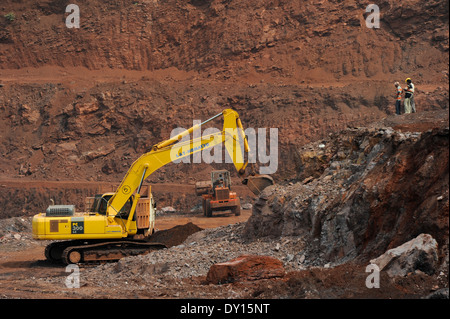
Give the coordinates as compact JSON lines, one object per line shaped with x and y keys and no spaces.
{"x":95,"y":131}
{"x":83,"y":104}
{"x":361,"y":192}
{"x":306,"y":68}
{"x":230,"y":38}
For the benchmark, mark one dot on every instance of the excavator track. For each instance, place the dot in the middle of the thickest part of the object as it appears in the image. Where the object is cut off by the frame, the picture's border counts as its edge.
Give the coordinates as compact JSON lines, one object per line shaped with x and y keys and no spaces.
{"x":78,"y":251}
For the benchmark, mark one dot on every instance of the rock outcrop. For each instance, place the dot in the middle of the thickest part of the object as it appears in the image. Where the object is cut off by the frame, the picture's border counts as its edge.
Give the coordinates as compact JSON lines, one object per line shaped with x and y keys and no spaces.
{"x":377,"y":188}
{"x":420,"y":253}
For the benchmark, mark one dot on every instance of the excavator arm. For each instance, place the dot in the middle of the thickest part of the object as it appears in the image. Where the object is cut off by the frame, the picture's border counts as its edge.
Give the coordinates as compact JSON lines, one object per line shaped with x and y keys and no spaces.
{"x":129,"y":220}
{"x":172,"y":149}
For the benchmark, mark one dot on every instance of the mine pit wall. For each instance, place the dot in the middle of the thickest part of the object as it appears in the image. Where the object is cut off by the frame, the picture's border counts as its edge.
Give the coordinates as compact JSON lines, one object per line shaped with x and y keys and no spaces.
{"x":26,"y":198}
{"x":96,"y":132}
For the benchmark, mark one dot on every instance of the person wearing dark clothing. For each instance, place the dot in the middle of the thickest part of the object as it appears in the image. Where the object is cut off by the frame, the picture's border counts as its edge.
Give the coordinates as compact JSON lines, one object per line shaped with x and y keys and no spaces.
{"x":398,"y":98}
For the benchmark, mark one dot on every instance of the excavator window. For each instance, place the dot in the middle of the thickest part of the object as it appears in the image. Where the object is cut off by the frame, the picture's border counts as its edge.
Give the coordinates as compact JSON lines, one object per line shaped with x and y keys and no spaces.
{"x":103,"y":204}
{"x":93,"y":203}
{"x":125,"y":211}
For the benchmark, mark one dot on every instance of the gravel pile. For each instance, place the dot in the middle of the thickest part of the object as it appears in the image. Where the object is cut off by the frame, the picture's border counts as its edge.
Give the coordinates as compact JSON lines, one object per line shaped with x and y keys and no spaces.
{"x":195,"y":256}
{"x":15,"y":234}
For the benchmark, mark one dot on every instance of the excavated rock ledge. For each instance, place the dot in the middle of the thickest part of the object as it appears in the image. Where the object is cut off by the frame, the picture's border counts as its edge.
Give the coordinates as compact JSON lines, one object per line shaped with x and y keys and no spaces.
{"x":360,"y":193}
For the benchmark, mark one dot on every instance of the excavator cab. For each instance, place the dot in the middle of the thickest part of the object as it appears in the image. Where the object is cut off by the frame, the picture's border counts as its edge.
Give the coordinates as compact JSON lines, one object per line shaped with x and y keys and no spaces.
{"x":221,"y":179}
{"x":98,"y":204}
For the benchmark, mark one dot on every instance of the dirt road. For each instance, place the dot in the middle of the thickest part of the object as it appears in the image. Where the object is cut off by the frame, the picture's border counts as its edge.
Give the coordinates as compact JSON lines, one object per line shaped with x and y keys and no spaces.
{"x":217,"y":220}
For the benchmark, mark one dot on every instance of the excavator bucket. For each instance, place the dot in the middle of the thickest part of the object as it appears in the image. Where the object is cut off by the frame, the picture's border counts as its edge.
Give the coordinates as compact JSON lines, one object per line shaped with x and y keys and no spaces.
{"x":258,"y":183}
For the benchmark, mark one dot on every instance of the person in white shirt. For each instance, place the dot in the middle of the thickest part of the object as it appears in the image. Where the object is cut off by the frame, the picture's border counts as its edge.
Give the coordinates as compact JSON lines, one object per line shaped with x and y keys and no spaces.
{"x":410,"y":105}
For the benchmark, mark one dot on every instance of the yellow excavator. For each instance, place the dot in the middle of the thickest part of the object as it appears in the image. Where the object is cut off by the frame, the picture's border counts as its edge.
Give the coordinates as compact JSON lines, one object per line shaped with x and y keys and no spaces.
{"x":121,"y":223}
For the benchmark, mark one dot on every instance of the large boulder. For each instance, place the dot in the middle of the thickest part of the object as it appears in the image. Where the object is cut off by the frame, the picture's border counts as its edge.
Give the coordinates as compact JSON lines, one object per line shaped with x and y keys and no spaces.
{"x":420,"y":253}
{"x":244,"y":268}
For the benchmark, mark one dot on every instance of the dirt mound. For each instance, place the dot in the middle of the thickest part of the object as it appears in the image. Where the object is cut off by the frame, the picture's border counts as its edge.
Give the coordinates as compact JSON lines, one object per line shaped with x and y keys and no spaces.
{"x":15,"y":234}
{"x":15,"y":225}
{"x":346,"y":282}
{"x":175,"y":235}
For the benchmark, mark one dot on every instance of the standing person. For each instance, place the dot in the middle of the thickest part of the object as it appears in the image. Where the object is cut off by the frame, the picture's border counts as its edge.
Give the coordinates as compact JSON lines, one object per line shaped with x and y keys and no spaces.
{"x":412,"y":89}
{"x":398,"y":100}
{"x":410,"y":106}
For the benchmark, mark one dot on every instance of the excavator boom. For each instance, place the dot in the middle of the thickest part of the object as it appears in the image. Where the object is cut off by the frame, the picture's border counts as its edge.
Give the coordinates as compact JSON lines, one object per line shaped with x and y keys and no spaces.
{"x":170,"y":150}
